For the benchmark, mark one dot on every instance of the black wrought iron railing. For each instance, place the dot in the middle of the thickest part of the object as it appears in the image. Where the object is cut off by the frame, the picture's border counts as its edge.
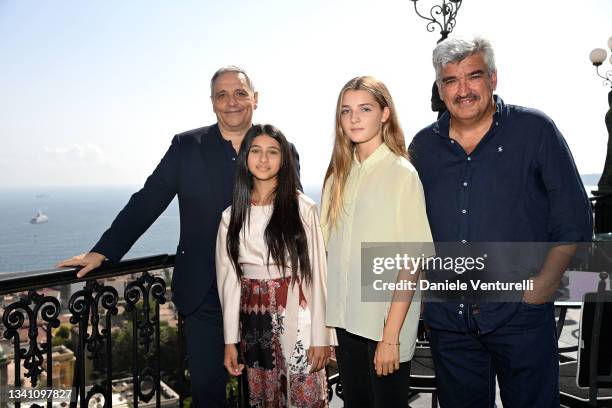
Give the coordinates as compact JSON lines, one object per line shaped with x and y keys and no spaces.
{"x":109,"y":333}
{"x":113,"y":331}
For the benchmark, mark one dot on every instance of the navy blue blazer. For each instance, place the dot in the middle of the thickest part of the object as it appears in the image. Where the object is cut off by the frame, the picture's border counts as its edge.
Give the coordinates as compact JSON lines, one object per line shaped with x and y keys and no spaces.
{"x":192,"y":169}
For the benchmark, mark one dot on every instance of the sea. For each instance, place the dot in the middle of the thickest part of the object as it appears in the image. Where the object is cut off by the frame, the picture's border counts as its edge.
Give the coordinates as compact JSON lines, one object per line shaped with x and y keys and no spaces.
{"x":77,"y":217}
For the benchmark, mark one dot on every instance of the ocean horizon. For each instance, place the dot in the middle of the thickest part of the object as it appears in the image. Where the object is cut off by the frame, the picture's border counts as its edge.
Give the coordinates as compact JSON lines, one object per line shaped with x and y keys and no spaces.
{"x":77,"y":217}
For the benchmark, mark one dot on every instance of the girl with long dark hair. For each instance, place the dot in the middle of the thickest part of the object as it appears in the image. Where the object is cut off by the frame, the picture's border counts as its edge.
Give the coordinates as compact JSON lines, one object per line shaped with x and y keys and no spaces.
{"x":271,"y":275}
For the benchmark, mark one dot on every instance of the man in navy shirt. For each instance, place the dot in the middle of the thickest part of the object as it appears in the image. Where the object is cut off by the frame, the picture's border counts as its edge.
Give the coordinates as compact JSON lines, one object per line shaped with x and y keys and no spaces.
{"x":199,"y":169}
{"x":494,"y":172}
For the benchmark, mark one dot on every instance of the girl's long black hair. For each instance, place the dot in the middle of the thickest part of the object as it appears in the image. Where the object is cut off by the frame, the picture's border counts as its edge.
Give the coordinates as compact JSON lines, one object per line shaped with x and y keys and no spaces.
{"x":284,"y":235}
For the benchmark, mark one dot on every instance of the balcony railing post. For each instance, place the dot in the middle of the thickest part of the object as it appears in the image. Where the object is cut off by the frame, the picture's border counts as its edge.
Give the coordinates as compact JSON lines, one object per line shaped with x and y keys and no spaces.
{"x":85,"y":305}
{"x":182,"y":365}
{"x":108,"y":402}
{"x":135,"y":368}
{"x":49,"y":347}
{"x":146,"y":325}
{"x":79,"y":306}
{"x":157,"y":357}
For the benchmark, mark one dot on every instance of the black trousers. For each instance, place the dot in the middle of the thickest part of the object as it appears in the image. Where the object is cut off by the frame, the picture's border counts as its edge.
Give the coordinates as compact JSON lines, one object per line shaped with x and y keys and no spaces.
{"x":360,"y":384}
{"x":205,"y":351}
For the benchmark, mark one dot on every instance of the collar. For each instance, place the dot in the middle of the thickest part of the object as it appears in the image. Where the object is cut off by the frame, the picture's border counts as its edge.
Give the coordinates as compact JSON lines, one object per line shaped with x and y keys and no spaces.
{"x":219,"y":136}
{"x":214,"y":136}
{"x":442,"y":125}
{"x":376,"y":157}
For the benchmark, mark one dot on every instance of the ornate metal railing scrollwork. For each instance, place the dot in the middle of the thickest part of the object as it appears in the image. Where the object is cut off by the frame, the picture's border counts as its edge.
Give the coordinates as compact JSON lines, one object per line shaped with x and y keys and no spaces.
{"x":30,"y":319}
{"x":30,"y":308}
{"x":145,"y":330}
{"x":85,"y":306}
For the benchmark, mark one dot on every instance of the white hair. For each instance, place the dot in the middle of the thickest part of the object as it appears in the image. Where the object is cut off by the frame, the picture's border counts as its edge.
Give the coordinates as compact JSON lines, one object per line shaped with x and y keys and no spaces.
{"x":454,"y":50}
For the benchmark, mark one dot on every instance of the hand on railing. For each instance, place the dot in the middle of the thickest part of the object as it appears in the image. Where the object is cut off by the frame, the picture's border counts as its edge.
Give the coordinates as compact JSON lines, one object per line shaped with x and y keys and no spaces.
{"x":88,"y":262}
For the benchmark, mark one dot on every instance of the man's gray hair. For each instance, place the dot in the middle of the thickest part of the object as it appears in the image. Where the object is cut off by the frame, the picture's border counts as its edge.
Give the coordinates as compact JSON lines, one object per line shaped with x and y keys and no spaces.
{"x":454,"y":50}
{"x":229,"y":68}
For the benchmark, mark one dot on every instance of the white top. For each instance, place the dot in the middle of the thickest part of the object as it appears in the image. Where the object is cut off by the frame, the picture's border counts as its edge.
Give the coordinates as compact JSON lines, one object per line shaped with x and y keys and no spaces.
{"x":253,"y":261}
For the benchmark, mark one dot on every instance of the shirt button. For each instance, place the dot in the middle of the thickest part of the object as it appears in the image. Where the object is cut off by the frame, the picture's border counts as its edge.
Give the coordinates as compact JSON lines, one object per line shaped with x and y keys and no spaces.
{"x":469,"y":158}
{"x":496,"y":123}
{"x":465,"y":184}
{"x":233,"y":158}
{"x":461,"y":305}
{"x":463,"y":241}
{"x":464,"y":211}
{"x":460,"y":312}
{"x":452,"y":141}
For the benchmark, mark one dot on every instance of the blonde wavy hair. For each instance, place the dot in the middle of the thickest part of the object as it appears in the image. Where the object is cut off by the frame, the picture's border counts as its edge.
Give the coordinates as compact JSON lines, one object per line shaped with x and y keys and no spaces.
{"x":342,"y":155}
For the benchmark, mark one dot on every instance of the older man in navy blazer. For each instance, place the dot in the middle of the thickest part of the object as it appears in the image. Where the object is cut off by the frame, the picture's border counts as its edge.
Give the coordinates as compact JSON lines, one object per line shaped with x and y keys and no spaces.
{"x":199,"y":168}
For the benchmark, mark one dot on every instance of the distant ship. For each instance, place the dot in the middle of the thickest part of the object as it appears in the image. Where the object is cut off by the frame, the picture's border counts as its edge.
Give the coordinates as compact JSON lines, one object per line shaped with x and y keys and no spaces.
{"x":40,"y":218}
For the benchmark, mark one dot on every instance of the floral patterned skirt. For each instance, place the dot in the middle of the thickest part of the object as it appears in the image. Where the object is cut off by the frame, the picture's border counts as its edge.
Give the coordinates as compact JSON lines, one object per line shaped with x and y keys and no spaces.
{"x":271,"y":375}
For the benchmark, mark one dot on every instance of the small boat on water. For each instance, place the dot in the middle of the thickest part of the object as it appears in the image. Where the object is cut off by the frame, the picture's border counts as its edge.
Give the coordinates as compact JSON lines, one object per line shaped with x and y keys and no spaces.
{"x":39,"y":218}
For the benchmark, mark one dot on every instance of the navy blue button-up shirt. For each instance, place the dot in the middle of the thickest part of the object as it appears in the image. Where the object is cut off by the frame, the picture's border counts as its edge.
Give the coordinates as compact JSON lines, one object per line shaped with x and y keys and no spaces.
{"x":520,"y":184}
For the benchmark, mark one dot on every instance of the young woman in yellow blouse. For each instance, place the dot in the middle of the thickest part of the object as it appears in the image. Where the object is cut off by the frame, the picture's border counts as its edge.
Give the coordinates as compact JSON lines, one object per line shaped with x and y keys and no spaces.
{"x":371,"y":193}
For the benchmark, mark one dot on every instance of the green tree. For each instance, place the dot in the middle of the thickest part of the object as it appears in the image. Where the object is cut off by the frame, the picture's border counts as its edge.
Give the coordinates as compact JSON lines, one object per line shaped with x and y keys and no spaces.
{"x":61,"y":336}
{"x":169,"y":354}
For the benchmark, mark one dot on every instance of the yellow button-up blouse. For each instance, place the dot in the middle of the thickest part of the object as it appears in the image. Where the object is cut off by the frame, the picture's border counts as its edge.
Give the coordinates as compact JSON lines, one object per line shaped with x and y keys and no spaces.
{"x":383,"y":202}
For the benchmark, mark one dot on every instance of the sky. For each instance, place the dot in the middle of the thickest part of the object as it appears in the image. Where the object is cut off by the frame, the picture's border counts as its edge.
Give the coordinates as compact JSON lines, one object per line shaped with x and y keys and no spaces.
{"x":91,"y":93}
